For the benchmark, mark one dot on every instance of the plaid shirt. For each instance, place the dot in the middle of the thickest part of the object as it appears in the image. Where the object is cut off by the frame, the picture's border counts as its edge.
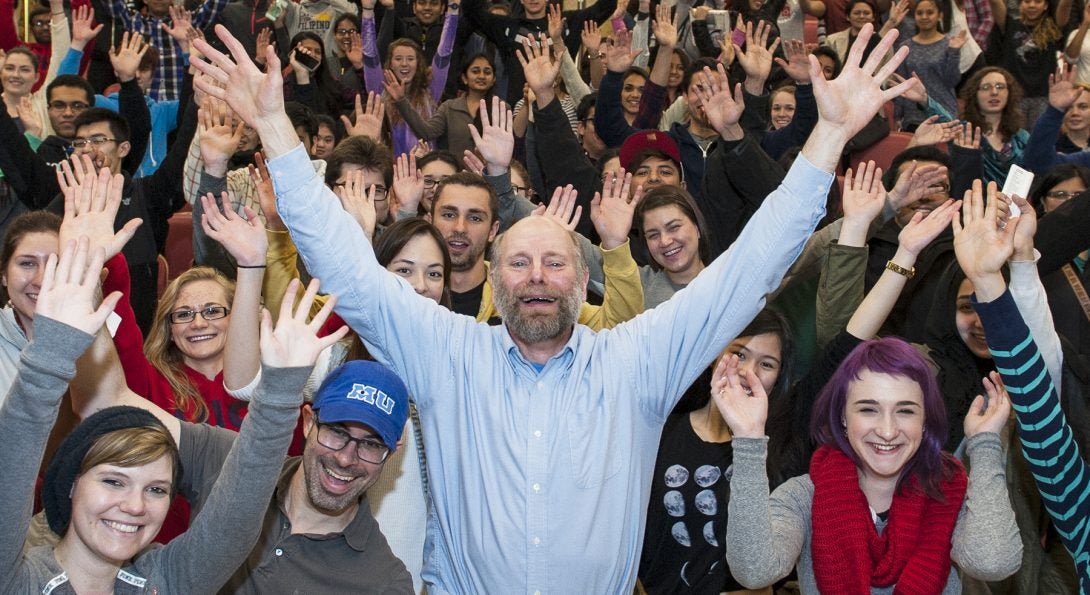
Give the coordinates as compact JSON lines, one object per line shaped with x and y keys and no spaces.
{"x":978,"y":15}
{"x":172,"y":61}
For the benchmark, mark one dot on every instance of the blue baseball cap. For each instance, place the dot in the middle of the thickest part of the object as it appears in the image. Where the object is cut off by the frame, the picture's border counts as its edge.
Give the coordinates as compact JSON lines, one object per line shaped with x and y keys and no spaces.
{"x":364,"y":392}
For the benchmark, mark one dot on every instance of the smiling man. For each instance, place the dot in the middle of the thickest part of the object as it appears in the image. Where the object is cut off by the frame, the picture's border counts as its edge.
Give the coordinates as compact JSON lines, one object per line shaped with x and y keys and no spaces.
{"x":541,"y":433}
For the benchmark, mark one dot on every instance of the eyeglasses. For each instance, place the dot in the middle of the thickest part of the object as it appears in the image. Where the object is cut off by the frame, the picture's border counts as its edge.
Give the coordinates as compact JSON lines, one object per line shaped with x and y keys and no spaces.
{"x":431,"y":182}
{"x":207,"y":313}
{"x":97,"y":140}
{"x":381,"y":191}
{"x":1061,"y":195}
{"x":525,"y":191}
{"x":343,"y":32}
{"x":40,"y":23}
{"x":75,"y":106}
{"x":987,"y":87}
{"x":368,"y":450}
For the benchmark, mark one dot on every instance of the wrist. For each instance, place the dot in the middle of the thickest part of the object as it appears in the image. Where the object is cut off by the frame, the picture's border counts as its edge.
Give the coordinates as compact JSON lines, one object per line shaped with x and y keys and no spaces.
{"x":495,"y":169}
{"x":123,"y":78}
{"x":904,"y":258}
{"x":731,"y":132}
{"x":987,"y":286}
{"x":754,"y":85}
{"x":611,"y":243}
{"x":251,"y":266}
{"x":216,"y":167}
{"x":853,"y":232}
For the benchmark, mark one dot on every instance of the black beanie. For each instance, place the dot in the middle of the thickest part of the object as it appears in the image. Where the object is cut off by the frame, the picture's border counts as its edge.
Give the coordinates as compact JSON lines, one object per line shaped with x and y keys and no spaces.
{"x":64,"y":468}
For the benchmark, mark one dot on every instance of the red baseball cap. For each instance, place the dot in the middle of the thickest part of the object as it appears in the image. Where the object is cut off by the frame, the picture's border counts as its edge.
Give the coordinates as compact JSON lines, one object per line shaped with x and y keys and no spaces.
{"x":648,"y":140}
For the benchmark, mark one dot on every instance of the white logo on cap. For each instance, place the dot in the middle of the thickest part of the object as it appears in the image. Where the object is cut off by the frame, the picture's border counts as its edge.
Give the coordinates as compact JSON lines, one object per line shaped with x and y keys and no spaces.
{"x":372,"y":396}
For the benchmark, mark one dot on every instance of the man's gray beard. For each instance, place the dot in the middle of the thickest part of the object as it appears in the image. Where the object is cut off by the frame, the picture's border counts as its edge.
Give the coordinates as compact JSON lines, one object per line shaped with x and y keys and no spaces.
{"x":535,"y":329}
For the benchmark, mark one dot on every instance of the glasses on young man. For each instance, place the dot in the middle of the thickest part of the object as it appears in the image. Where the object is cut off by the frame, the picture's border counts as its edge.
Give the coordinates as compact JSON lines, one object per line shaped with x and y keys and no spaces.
{"x":96,"y":140}
{"x":381,"y":192}
{"x":207,"y":313}
{"x":368,"y":450}
{"x":75,"y":106}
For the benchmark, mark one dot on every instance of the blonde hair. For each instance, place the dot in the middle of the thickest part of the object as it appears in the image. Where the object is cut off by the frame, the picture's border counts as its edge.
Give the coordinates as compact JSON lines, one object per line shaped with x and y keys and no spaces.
{"x":165,"y":355}
{"x":134,"y":447}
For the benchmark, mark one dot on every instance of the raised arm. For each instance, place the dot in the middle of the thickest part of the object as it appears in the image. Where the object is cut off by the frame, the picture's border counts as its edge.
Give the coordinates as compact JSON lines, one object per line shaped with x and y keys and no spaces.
{"x":440,"y":62}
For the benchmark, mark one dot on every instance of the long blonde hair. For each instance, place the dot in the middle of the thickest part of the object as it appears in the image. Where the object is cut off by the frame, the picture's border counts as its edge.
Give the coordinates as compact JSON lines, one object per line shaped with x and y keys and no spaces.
{"x":165,"y":355}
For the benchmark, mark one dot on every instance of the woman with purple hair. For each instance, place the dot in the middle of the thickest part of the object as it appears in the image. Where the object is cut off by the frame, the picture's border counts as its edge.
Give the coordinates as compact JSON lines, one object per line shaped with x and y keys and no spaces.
{"x":883,"y":508}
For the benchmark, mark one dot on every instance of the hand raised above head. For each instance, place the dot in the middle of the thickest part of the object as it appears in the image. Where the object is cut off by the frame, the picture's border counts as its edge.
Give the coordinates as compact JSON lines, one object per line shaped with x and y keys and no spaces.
{"x":294,"y":342}
{"x":69,"y":287}
{"x":257,"y":97}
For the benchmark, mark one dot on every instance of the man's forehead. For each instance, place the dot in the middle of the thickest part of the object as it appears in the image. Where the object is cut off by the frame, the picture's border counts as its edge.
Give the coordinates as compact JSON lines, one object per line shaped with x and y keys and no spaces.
{"x":93,"y":128}
{"x":920,"y":164}
{"x":538,"y":235}
{"x":354,"y":428}
{"x":656,"y":161}
{"x":463,"y":198}
{"x":370,"y":176}
{"x":68,"y":93}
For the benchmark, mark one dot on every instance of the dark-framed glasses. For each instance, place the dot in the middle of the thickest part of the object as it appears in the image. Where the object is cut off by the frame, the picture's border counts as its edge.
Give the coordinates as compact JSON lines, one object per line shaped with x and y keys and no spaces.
{"x":381,"y":192}
{"x":368,"y":449}
{"x":96,"y":140}
{"x":1062,"y":195}
{"x":75,"y":106}
{"x":343,"y":32}
{"x":524,"y":191}
{"x":207,"y":313}
{"x":433,"y":181}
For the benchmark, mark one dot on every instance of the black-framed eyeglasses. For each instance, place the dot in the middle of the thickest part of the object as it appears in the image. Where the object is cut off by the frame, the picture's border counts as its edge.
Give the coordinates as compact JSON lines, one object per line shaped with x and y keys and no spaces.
{"x":431,"y":181}
{"x":381,"y":192}
{"x":75,"y":106}
{"x":1062,"y":195}
{"x":207,"y":313}
{"x":525,"y":191}
{"x":96,"y":140}
{"x":368,"y":450}
{"x":343,"y":32}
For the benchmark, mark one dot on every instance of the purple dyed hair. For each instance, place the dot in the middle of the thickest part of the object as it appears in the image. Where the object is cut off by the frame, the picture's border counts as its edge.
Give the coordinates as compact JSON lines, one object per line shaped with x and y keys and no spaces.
{"x":892,"y":356}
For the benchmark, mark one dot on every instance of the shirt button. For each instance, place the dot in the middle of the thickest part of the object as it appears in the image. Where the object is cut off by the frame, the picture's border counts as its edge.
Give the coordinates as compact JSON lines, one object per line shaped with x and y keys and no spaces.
{"x":279,"y":552}
{"x":537,"y":433}
{"x":537,"y":592}
{"x":537,"y":487}
{"x":537,"y":541}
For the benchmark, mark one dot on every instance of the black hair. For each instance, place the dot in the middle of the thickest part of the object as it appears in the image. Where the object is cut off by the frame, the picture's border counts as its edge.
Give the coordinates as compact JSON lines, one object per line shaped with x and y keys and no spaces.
{"x":119,"y":126}
{"x":71,"y":80}
{"x":1042,"y":184}
{"x":694,"y":68}
{"x":923,"y":153}
{"x":302,"y":117}
{"x":585,"y":105}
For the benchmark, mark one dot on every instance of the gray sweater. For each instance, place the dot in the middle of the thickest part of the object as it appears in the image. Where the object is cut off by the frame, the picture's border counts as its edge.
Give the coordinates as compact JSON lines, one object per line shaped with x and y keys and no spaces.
{"x":224,"y":531}
{"x":769,"y":535}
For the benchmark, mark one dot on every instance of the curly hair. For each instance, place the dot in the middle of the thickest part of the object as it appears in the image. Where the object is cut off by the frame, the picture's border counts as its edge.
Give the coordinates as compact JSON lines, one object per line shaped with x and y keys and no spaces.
{"x":1011,"y":119}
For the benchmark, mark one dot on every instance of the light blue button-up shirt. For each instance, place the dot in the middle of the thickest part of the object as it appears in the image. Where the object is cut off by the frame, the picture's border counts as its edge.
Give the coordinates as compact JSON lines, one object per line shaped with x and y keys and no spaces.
{"x":540,"y":480}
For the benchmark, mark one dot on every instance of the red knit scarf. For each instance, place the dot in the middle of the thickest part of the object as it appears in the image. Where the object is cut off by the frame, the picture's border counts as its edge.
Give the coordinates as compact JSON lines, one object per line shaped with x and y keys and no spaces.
{"x":850,"y":556}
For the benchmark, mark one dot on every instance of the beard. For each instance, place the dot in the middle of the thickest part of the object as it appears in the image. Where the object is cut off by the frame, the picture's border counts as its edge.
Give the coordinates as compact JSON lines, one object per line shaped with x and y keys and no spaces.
{"x":313,"y":467}
{"x":535,"y":328}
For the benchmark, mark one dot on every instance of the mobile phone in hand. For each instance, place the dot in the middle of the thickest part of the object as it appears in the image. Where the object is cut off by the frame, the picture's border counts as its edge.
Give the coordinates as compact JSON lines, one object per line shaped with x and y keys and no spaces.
{"x":309,"y":62}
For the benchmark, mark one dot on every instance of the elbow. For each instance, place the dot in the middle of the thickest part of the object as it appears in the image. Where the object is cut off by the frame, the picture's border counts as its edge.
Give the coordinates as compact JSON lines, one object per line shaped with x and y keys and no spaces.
{"x":975,"y":562}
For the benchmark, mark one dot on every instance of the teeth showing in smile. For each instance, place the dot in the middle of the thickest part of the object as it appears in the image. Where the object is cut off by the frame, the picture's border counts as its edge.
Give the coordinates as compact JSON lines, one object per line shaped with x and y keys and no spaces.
{"x":122,"y":527}
{"x":538,"y":300}
{"x":199,"y":338}
{"x":884,"y":447}
{"x":671,"y":252}
{"x":343,"y":478}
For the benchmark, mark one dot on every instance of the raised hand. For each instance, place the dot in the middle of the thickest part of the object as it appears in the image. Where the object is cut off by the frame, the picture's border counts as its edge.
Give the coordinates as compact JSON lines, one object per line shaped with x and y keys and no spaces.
{"x":722,"y":110}
{"x":756,"y":58}
{"x":408,"y":184}
{"x":916,"y":93}
{"x":957,"y":41}
{"x":31,"y":119}
{"x":421,"y":148}
{"x":261,"y":46}
{"x":797,"y":64}
{"x":864,"y":197}
{"x":244,"y":238}
{"x":472,"y":162}
{"x":1026,"y":230}
{"x":266,"y":197}
{"x":847,"y":103}
{"x":619,"y":54}
{"x":91,"y":200}
{"x":915,"y":182}
{"x":1062,"y":92}
{"x":354,"y":53}
{"x":933,"y":132}
{"x":358,"y":200}
{"x":991,"y":414}
{"x":395,"y":89}
{"x":665,"y":27}
{"x":562,"y":207}
{"x":83,"y":27}
{"x":921,"y":231}
{"x":556,"y":26}
{"x":539,"y":66}
{"x":592,"y":39}
{"x":740,"y":398}
{"x":368,"y":120}
{"x":69,"y":287}
{"x":612,"y":210}
{"x":294,"y":342}
{"x":257,"y":97}
{"x":218,"y":138}
{"x":126,"y":57}
{"x":967,"y":136}
{"x":982,"y":246}
{"x":496,"y":141}
{"x":182,"y":22}
{"x":897,"y":13}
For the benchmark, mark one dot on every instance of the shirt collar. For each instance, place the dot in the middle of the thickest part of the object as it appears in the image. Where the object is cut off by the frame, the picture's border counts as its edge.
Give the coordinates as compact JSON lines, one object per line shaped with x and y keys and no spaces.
{"x":359,"y":529}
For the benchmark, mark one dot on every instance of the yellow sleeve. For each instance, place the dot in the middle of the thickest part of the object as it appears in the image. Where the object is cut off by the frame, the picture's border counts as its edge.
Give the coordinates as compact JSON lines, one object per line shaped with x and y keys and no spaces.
{"x":623,"y":298}
{"x":280,"y":269}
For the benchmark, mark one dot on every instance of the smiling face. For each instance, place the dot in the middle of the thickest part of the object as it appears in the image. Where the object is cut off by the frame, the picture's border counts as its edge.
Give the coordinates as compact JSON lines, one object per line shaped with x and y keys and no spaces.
{"x":403,"y":62}
{"x":656,"y":171}
{"x":324,"y":142}
{"x":343,"y":32}
{"x":677,"y":71}
{"x":420,"y":262}
{"x":336,"y":479}
{"x":200,"y":341}
{"x":433,"y":173}
{"x":928,"y":16}
{"x":108,"y":152}
{"x":783,"y":109}
{"x":673,"y":240}
{"x":479,"y":77}
{"x":1031,"y":11}
{"x":968,"y":322}
{"x":463,"y":215}
{"x":631,"y":93}
{"x":23,"y":274}
{"x":118,"y":511}
{"x":538,"y":285}
{"x":428,"y":11}
{"x":992,"y":94}
{"x":19,"y":74}
{"x":535,"y":9}
{"x":884,"y":423}
{"x":1077,"y":118}
{"x":760,"y":353}
{"x":859,"y":15}
{"x":1062,"y":192}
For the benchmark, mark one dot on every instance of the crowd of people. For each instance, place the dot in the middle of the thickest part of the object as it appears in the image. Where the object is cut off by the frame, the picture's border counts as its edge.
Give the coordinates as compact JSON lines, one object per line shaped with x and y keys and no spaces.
{"x":487,"y":298}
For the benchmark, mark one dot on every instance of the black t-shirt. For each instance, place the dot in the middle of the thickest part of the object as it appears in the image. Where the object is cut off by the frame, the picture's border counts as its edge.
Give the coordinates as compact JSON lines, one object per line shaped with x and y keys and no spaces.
{"x":1014,"y":50}
{"x":468,"y":303}
{"x":684,"y":547}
